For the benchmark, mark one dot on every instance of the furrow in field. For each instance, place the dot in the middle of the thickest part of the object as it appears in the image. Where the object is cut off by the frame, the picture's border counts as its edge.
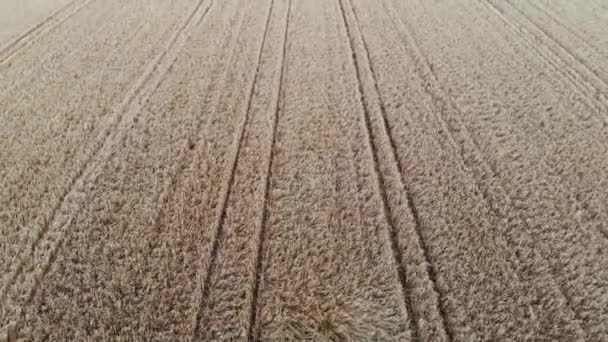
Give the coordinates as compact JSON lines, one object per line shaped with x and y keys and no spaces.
{"x":144,"y":217}
{"x":227,"y":298}
{"x":41,"y":29}
{"x":327,"y":266}
{"x":419,"y":274}
{"x":461,"y":229}
{"x":69,"y":203}
{"x":518,"y":110}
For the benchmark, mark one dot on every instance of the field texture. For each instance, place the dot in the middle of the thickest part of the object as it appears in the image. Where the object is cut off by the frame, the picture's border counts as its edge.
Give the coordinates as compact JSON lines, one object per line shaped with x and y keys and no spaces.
{"x":322,"y":170}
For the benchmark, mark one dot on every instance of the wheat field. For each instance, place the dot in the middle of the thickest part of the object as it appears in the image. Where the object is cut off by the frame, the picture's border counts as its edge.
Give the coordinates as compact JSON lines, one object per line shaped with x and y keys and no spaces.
{"x":320,"y":170}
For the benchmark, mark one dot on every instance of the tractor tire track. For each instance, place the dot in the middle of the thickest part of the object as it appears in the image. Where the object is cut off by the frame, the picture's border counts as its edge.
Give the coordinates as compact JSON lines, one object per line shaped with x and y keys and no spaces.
{"x":478,"y":154}
{"x":192,"y":146}
{"x":583,"y":85}
{"x":323,"y":159}
{"x":493,"y":190}
{"x":444,"y":331}
{"x":227,"y":187}
{"x":106,"y":135}
{"x":444,"y":102}
{"x":40,"y":30}
{"x":482,"y":187}
{"x":392,"y":233}
{"x":7,"y":48}
{"x":32,"y":75}
{"x":418,"y":171}
{"x":503,"y":205}
{"x":550,"y":14}
{"x":572,"y":81}
{"x":150,"y":247}
{"x":592,"y":75}
{"x":253,"y":333}
{"x":63,"y":212}
{"x":565,"y":71}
